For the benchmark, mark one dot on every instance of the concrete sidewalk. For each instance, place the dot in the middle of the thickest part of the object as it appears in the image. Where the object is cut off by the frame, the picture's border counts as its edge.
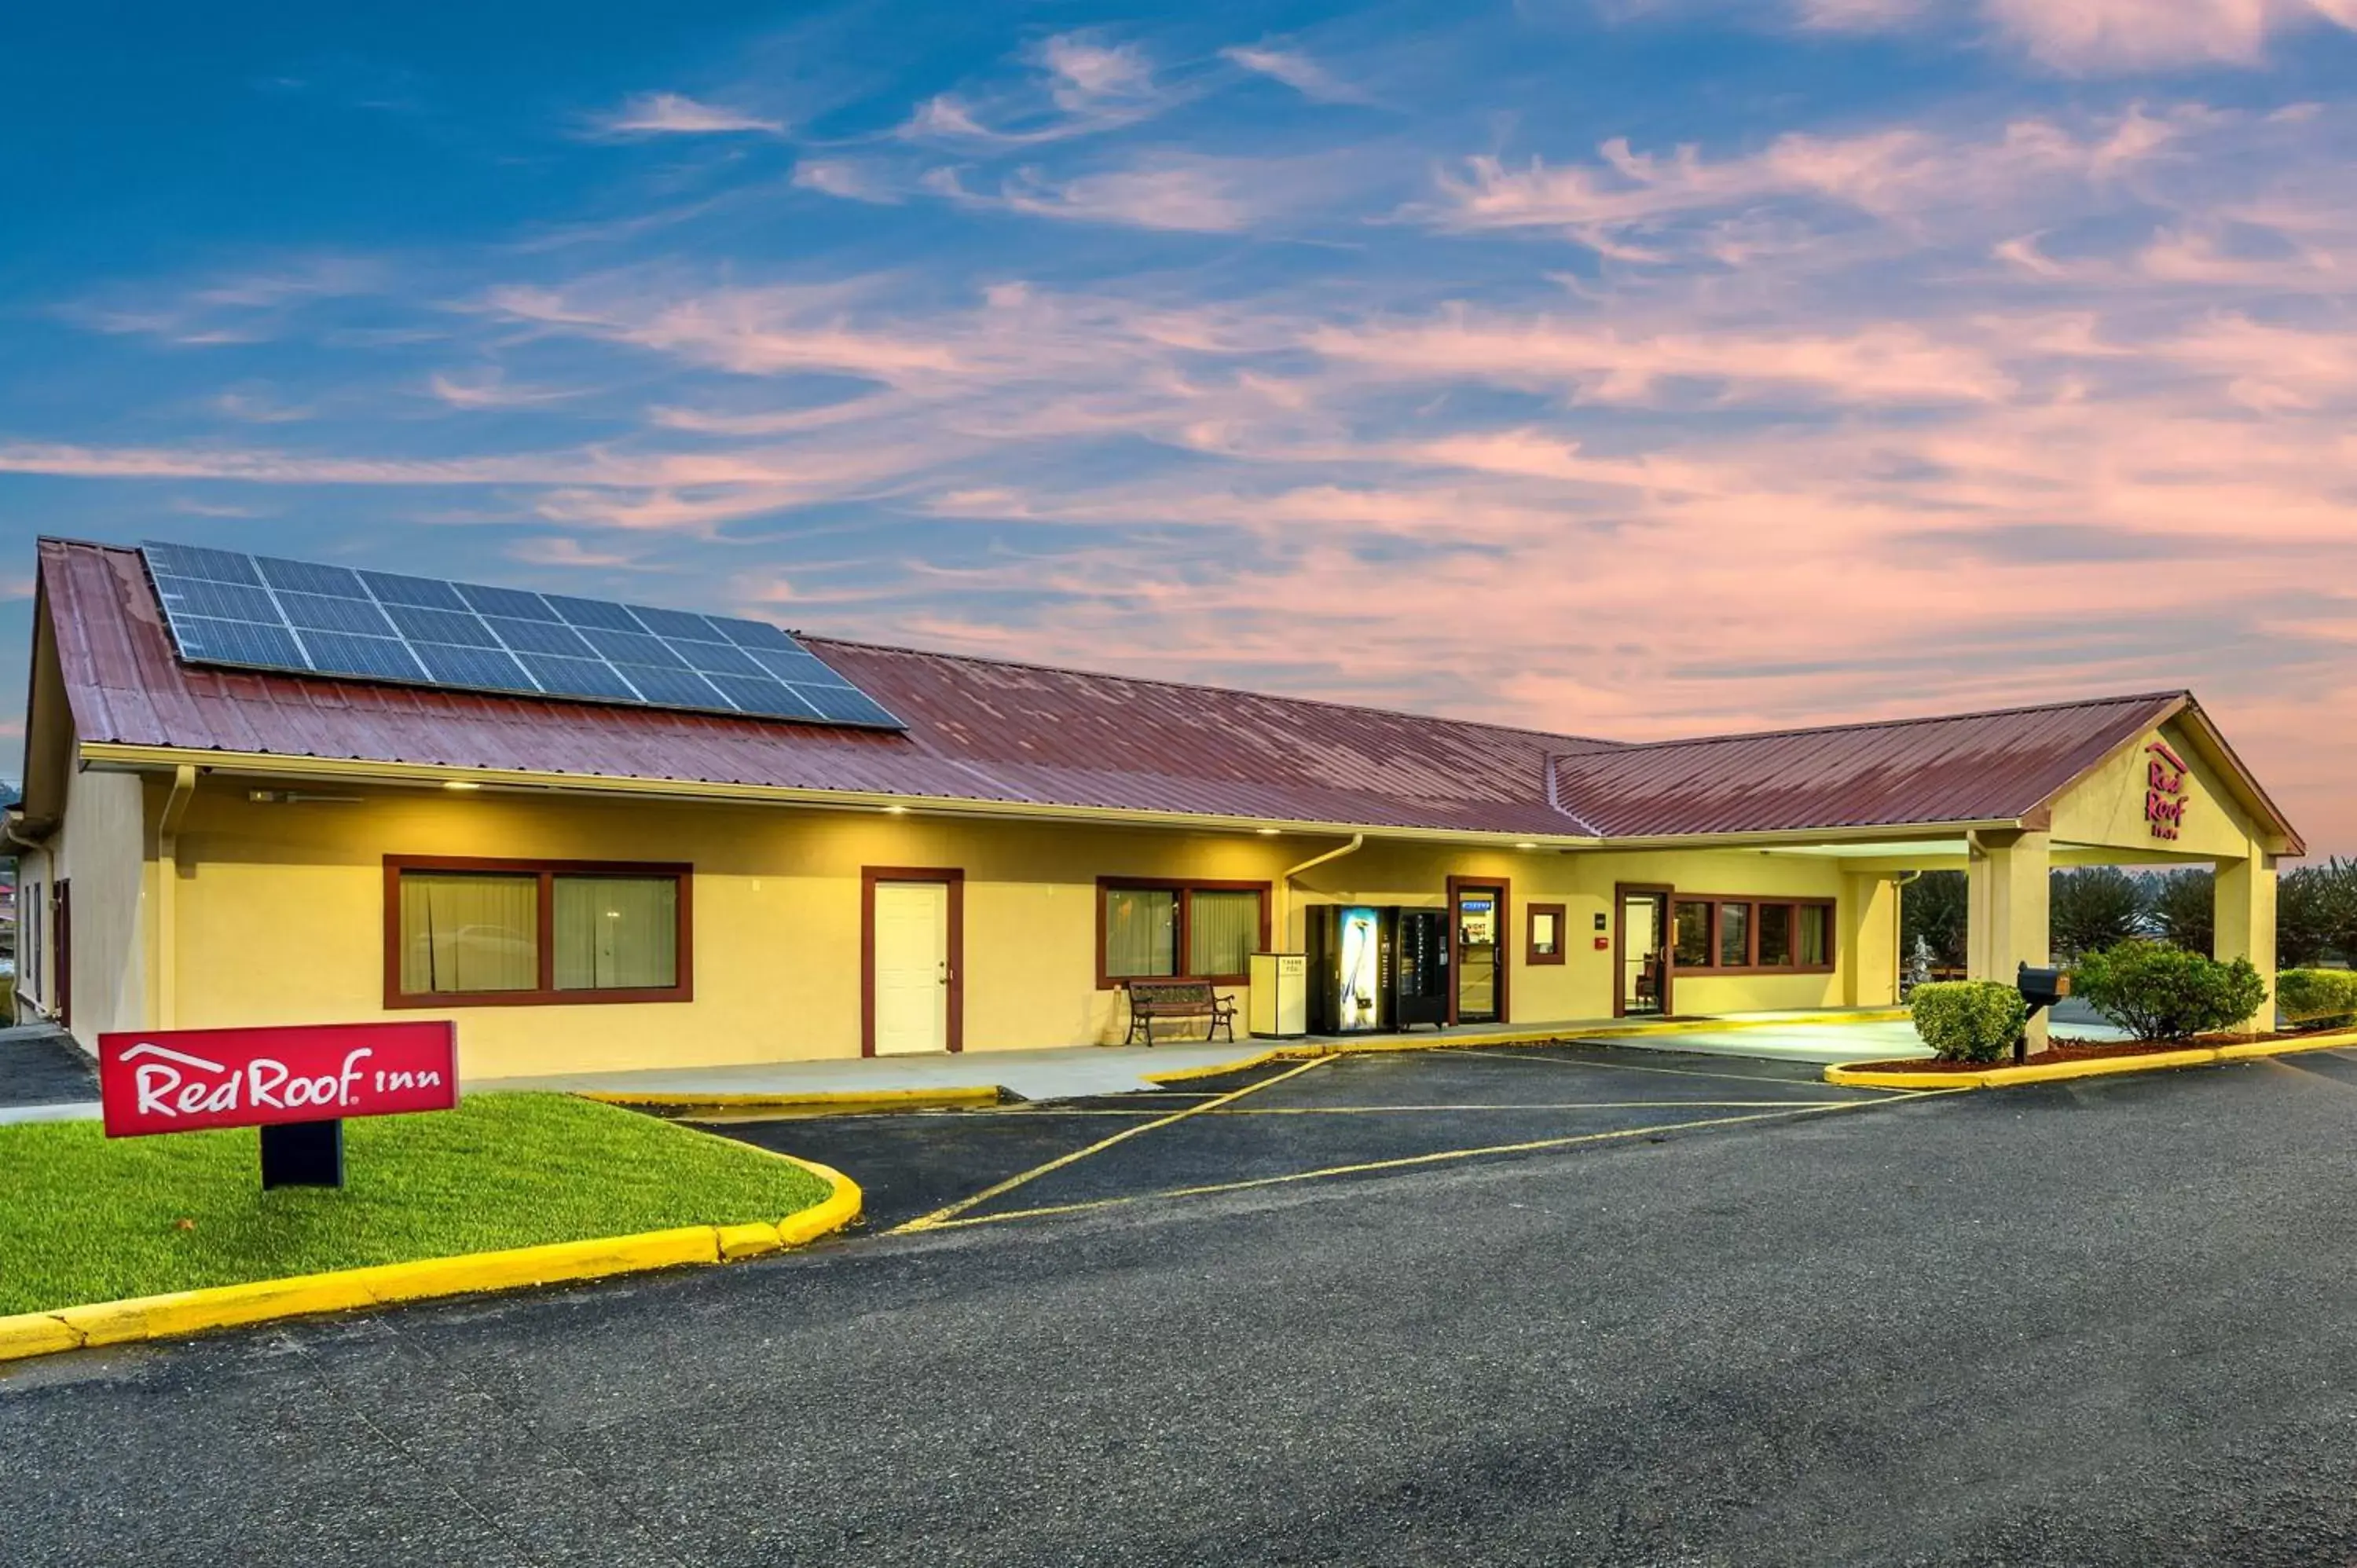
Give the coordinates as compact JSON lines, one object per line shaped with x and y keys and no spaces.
{"x":1809,"y":1036}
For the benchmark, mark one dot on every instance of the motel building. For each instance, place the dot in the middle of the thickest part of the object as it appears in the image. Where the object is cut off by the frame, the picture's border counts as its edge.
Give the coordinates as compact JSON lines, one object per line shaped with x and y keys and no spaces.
{"x":260,"y":792}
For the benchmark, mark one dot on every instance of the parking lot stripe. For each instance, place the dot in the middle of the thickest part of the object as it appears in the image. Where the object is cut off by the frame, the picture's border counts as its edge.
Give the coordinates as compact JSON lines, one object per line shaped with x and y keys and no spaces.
{"x":947,"y":1213}
{"x":1536,"y":1145}
{"x":1558,"y":1105}
{"x":1620,"y":1067}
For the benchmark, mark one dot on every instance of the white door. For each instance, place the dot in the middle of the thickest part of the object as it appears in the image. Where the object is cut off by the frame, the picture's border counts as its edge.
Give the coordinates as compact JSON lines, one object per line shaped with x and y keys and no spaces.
{"x":913,"y":968}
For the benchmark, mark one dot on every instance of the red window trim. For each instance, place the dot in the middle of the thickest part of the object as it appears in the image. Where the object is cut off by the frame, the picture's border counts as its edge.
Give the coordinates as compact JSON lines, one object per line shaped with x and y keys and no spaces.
{"x":1531,"y":913}
{"x":546,"y":993}
{"x":1186,"y":888}
{"x":1717,"y":901}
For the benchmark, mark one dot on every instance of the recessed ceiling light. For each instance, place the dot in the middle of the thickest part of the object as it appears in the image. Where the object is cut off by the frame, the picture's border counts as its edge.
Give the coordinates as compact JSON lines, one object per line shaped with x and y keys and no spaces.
{"x":1527,"y":846}
{"x":896,"y":810}
{"x":1267,"y":832}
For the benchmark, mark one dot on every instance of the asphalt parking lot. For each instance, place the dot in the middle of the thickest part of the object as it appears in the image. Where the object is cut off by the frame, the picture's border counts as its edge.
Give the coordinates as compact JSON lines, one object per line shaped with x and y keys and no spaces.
{"x":2106,"y":1324}
{"x":1348,"y":1118}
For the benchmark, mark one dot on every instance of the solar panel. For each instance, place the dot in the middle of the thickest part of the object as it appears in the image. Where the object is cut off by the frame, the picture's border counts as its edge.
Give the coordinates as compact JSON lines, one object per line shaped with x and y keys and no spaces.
{"x":262,"y":612}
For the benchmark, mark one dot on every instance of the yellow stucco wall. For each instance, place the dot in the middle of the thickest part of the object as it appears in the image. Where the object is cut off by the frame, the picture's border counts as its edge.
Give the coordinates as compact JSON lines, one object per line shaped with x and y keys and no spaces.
{"x":2107,"y":807}
{"x":100,"y":850}
{"x":280,"y":917}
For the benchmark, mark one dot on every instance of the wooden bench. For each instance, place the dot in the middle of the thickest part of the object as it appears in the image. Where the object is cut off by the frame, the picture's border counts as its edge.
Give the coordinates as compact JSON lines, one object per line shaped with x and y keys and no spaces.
{"x":1152,"y":999}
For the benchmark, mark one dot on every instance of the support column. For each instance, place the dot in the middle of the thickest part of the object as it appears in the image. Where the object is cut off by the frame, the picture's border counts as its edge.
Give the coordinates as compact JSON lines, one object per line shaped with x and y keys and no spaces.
{"x":1868,"y":954}
{"x":2009,"y":910}
{"x":2244,"y":912}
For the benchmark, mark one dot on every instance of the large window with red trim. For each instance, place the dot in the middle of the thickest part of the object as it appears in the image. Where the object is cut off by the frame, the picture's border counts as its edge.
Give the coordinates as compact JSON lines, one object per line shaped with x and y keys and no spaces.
{"x":1150,"y":930}
{"x":490,"y":933}
{"x":1722,"y":935}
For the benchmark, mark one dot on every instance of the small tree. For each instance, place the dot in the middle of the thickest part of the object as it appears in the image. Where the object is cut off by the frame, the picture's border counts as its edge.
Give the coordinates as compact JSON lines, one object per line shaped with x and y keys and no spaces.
{"x":2184,"y":909}
{"x":2338,"y":901}
{"x":2308,"y":913}
{"x":1935,"y":907}
{"x":2157,"y":991}
{"x":2093,"y":907}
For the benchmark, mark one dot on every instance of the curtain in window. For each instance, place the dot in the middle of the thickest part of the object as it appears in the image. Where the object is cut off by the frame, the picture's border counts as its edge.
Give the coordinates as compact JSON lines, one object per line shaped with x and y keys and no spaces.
{"x":1814,"y":918}
{"x":617,"y":933}
{"x":1222,"y":929}
{"x":463,"y":931}
{"x":1141,"y":931}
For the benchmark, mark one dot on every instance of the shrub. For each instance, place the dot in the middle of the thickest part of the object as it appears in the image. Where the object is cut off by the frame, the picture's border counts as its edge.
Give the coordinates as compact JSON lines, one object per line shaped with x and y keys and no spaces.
{"x":2312,"y":996}
{"x":2157,"y":991}
{"x":1969,"y":1020}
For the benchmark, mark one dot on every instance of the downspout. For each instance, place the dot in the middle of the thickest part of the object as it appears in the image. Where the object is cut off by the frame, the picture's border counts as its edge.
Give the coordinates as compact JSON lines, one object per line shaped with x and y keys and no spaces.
{"x":168,"y":895}
{"x":1899,"y":885}
{"x":1284,"y":883}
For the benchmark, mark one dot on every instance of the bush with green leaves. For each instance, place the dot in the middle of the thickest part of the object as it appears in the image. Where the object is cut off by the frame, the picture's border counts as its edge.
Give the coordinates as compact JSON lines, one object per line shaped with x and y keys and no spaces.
{"x":2316,"y":995}
{"x":2159,"y":992}
{"x":1969,"y":1020}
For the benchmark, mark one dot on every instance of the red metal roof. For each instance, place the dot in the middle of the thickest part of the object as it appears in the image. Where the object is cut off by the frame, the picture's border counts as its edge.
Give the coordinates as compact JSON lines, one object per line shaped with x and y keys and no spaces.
{"x":978,"y":729}
{"x":985,"y":730}
{"x":1973,"y":767}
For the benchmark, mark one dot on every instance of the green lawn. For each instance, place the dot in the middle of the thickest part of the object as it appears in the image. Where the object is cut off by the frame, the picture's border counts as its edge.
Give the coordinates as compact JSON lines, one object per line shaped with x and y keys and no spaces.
{"x":85,"y":1220}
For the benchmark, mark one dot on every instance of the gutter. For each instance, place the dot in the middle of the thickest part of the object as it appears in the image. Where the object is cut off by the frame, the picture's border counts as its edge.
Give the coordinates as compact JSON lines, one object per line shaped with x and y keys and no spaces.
{"x":118,"y":756}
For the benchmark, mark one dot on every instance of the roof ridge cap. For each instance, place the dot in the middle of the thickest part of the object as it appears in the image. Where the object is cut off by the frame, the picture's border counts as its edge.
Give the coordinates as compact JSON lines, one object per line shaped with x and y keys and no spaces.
{"x":1729,"y":737}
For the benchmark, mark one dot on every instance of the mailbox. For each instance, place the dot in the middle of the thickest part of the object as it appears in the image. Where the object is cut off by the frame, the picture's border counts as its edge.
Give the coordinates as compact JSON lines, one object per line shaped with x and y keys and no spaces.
{"x":2042,"y":988}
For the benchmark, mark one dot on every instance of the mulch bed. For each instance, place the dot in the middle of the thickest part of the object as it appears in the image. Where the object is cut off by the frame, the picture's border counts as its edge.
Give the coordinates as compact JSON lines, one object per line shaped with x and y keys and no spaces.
{"x":2074,"y":1051}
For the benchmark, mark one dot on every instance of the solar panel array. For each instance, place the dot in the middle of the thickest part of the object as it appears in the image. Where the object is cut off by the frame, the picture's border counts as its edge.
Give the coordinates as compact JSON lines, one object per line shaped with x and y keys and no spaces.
{"x":262,"y":613}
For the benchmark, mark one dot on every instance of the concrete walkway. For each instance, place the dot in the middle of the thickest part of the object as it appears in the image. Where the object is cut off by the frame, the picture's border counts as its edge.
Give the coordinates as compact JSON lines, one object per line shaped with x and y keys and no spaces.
{"x":1121,"y":1070}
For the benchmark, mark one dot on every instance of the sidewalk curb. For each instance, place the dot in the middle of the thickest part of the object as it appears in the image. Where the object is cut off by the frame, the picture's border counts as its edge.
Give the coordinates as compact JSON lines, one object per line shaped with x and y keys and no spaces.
{"x":837,"y":1102}
{"x":1556,"y":1035}
{"x":182,"y":1313}
{"x":2100,"y":1067}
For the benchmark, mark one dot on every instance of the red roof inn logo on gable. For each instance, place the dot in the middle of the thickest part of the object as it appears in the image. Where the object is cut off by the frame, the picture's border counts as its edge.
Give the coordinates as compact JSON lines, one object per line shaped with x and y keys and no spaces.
{"x":2164,"y":792}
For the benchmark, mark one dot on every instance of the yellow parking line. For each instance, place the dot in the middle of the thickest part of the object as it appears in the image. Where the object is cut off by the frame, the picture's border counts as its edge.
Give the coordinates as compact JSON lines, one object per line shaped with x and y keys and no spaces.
{"x":1445,"y":1154}
{"x":948,"y":1212}
{"x":1630,"y":1067}
{"x":1571,"y":1105}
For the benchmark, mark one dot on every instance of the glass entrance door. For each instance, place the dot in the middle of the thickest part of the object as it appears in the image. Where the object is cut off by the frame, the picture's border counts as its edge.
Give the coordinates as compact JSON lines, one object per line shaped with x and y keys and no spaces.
{"x":1644,"y":953}
{"x":1478,"y":928}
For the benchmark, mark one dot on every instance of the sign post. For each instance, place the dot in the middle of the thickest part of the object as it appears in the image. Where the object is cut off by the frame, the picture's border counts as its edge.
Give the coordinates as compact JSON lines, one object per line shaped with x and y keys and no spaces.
{"x":296,"y":1084}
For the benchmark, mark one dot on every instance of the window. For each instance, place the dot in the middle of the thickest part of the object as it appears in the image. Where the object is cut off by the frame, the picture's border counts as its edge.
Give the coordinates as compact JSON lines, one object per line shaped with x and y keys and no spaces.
{"x":1816,"y":925}
{"x":1734,"y":936}
{"x":518,"y":931}
{"x":1547,"y":928}
{"x":1191,"y":930}
{"x":1755,"y":936}
{"x":1693,"y":934}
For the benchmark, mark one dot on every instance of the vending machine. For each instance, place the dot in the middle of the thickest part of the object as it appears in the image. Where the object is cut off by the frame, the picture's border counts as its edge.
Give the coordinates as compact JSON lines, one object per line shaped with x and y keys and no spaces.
{"x":1350,"y":968}
{"x":1420,"y":968}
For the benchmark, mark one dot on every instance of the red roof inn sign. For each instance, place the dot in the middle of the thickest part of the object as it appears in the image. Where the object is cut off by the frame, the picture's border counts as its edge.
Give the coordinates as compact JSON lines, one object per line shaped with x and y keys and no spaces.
{"x":2164,"y":793}
{"x":298,"y":1084}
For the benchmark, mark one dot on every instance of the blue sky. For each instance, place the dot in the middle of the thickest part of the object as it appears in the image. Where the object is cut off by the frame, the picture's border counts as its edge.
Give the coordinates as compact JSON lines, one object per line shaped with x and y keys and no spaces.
{"x":1634,"y":367}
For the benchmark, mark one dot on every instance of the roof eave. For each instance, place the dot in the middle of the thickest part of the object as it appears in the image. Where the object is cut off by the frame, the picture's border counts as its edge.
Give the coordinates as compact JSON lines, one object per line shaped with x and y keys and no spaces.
{"x":115,"y":756}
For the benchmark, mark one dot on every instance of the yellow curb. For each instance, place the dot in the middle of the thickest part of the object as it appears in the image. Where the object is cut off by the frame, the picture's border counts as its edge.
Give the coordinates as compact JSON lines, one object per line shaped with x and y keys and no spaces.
{"x":835,"y":1102}
{"x":1535,"y":1036}
{"x":181,"y":1312}
{"x":2100,"y":1067}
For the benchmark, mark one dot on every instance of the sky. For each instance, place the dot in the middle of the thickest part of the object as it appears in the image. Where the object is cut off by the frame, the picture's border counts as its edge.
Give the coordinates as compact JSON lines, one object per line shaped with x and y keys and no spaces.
{"x":1629,"y":368}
